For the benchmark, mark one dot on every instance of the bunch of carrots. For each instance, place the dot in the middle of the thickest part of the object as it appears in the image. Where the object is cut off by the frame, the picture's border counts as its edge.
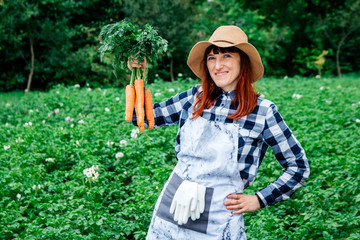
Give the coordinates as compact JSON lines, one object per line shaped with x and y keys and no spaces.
{"x":138,"y":96}
{"x":124,"y":42}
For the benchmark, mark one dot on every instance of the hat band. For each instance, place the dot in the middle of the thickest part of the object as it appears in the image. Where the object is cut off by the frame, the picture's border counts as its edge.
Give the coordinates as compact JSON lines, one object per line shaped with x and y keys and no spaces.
{"x":223,"y":41}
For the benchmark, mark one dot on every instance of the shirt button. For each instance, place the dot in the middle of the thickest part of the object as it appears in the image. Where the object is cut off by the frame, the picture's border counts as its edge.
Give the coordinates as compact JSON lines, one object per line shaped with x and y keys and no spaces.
{"x":217,"y":119}
{"x":222,"y":104}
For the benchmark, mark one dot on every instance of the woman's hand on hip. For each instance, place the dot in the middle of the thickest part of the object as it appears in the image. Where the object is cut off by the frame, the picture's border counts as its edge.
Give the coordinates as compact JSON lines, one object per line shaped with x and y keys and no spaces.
{"x":241,"y":203}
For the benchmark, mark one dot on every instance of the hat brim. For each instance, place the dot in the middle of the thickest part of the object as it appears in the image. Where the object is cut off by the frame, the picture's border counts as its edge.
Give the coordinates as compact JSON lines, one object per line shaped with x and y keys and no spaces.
{"x":196,"y":56}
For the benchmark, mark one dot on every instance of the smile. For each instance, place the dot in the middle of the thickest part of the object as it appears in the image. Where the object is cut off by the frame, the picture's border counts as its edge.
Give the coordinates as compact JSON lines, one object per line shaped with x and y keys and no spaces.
{"x":220,"y":73}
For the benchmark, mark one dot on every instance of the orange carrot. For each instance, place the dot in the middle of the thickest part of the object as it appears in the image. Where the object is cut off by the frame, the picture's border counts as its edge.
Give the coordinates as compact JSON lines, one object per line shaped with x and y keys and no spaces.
{"x":149,"y":109}
{"x":130,"y":102}
{"x":139,"y":103}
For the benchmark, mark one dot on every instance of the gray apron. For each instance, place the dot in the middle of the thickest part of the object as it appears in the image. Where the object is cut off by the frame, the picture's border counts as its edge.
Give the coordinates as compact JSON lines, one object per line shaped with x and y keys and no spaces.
{"x":207,"y":156}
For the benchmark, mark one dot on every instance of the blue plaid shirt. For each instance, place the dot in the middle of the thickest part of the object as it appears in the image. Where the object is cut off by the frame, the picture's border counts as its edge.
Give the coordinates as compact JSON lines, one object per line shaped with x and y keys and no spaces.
{"x":258,"y":130}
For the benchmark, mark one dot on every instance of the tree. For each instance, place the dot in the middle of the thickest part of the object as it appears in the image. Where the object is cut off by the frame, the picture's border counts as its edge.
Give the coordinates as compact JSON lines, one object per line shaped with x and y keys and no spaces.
{"x":52,"y":41}
{"x":339,"y":25}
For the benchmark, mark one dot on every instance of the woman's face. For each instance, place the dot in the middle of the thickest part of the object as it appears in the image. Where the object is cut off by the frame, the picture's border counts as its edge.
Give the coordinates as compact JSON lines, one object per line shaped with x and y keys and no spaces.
{"x":224,"y":69}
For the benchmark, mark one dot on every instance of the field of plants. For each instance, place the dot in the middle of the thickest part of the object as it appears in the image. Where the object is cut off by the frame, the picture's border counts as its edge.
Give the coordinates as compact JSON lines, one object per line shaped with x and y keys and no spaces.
{"x":72,"y":168}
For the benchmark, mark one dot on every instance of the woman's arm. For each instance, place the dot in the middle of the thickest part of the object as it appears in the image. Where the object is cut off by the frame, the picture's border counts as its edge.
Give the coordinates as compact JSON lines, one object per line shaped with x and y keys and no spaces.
{"x":168,"y":112}
{"x":290,"y":155}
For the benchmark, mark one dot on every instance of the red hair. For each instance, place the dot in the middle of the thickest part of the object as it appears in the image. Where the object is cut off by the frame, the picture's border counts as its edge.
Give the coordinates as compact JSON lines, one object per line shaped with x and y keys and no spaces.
{"x":246,"y":96}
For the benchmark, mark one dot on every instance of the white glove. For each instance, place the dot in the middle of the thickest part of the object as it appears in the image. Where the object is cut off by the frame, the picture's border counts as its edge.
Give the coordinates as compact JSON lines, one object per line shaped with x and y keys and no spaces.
{"x":184,"y":201}
{"x":200,"y":205}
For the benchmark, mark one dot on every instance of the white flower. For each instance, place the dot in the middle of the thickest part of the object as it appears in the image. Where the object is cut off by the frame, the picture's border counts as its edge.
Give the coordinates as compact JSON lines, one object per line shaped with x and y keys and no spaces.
{"x":109,"y":143}
{"x":125,"y":172}
{"x":328,"y":101}
{"x":107,"y":110}
{"x":72,"y":125}
{"x":297,"y":96}
{"x":321,"y":88}
{"x":37,"y":110}
{"x":180,"y":75}
{"x":89,"y":89}
{"x":134,"y":132}
{"x":30,"y":123}
{"x":77,"y":142}
{"x":96,"y":175}
{"x":31,"y":111}
{"x":117,"y":99}
{"x":67,"y":119}
{"x":157,"y":187}
{"x":157,"y":94}
{"x":85,"y":171}
{"x":49,"y":160}
{"x":77,"y":86}
{"x":357,"y":120}
{"x":26,"y":124}
{"x":19,"y":140}
{"x":61,"y":104}
{"x":123,"y":143}
{"x":171,"y":90}
{"x":6,"y":124}
{"x":43,"y":121}
{"x":49,"y":114}
{"x":56,"y":111}
{"x":87,"y":84}
{"x":81,"y":121}
{"x":18,"y":195}
{"x":7,"y":104}
{"x":34,"y":187}
{"x":39,"y":186}
{"x":119,"y":155}
{"x":6,"y":147}
{"x":57,"y":92}
{"x":317,"y":76}
{"x":285,"y":77}
{"x":88,"y":174}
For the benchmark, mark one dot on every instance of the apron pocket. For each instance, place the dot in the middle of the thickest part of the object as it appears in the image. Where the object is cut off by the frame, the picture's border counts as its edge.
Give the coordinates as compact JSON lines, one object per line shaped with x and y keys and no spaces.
{"x":163,"y":211}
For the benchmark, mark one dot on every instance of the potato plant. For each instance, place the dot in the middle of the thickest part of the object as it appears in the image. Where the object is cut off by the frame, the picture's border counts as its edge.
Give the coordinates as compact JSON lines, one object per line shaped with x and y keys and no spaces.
{"x":72,"y":168}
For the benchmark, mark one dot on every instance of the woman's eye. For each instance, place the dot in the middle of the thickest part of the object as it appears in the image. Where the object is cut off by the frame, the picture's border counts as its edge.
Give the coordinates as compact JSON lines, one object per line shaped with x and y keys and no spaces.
{"x":227,"y":56}
{"x":210,"y":58}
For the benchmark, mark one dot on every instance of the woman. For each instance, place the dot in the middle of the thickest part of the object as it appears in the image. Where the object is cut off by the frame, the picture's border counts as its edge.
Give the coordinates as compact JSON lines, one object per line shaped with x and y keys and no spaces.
{"x":224,"y":131}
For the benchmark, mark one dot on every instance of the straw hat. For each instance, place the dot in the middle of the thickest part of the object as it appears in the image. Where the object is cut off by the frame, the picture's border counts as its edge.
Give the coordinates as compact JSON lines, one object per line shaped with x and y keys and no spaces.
{"x":226,"y":36}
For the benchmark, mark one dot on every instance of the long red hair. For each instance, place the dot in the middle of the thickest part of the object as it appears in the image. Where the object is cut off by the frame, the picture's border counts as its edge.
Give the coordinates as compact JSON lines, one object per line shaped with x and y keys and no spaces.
{"x":246,"y":96}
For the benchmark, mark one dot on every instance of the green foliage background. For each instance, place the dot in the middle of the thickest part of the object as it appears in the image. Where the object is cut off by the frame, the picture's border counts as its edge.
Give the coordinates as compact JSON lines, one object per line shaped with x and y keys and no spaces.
{"x":324,"y":115}
{"x":288,"y":34}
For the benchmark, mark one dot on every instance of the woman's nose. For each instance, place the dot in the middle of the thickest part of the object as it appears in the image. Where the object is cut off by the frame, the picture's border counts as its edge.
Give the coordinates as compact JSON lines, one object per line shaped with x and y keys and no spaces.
{"x":218,"y":64}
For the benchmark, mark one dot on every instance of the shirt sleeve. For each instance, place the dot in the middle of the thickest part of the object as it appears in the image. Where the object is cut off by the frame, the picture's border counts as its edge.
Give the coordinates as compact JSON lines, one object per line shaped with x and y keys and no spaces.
{"x":168,"y":112}
{"x":290,"y":155}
